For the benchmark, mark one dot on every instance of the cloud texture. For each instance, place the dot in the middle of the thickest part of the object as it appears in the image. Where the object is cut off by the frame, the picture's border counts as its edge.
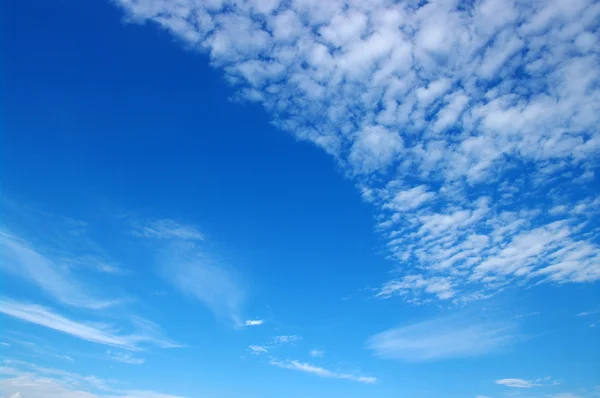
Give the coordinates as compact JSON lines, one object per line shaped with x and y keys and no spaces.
{"x":472,"y":127}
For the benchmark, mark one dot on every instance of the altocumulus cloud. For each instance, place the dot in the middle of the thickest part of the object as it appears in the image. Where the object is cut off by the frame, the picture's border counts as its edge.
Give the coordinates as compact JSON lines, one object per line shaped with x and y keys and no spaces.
{"x":472,"y":127}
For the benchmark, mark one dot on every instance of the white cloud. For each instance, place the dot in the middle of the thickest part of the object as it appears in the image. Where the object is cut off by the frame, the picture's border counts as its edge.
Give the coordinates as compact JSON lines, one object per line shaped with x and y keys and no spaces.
{"x":286,"y":339}
{"x":95,"y":263}
{"x":321,"y":372}
{"x":198,"y":275}
{"x":125,"y":357}
{"x":440,"y":286}
{"x":257,"y":349}
{"x":167,"y":229}
{"x":23,"y":380}
{"x":19,"y":258}
{"x":517,"y":383}
{"x":144,"y":394}
{"x":93,"y":332}
{"x":586,"y":313}
{"x":441,"y":338}
{"x":521,"y":383}
{"x":374,"y":148}
{"x":254,"y":322}
{"x":186,"y":262}
{"x":409,"y":199}
{"x":317,"y":353}
{"x":477,"y":113}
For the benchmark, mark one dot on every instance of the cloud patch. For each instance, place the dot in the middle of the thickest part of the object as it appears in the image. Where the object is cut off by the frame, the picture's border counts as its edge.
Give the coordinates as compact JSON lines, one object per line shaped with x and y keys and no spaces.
{"x":442,"y":338}
{"x":257,"y":349}
{"x":317,"y":353}
{"x":95,"y":333}
{"x":167,"y":229}
{"x":18,"y":257}
{"x":321,"y":372}
{"x":188,"y":264}
{"x":457,"y":121}
{"x":517,"y":383}
{"x":24,"y":380}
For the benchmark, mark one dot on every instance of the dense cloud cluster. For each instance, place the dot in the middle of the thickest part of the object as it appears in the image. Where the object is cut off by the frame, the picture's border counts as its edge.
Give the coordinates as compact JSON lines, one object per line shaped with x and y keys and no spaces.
{"x":472,"y":126}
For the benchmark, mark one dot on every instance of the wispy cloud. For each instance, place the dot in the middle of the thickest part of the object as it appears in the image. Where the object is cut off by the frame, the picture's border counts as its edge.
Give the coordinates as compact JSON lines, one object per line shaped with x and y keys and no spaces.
{"x":521,"y":383}
{"x":469,"y":137}
{"x":440,"y":286}
{"x":286,"y":339}
{"x":95,"y":263}
{"x":93,"y":332}
{"x":167,"y":229}
{"x":125,"y":357}
{"x":257,"y":349}
{"x":442,"y":338}
{"x":24,"y":380}
{"x":36,"y":347}
{"x":254,"y":322}
{"x":317,"y":353}
{"x":321,"y":372}
{"x":196,"y":270}
{"x":586,"y":313}
{"x":517,"y":383}
{"x":11,"y":367}
{"x":19,"y":258}
{"x":198,"y":274}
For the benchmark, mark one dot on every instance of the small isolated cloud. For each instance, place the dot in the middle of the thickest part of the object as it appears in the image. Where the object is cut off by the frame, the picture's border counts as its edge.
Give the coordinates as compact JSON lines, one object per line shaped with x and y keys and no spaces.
{"x":517,"y":383}
{"x":521,"y":383}
{"x":93,"y":332}
{"x":286,"y":339}
{"x":257,"y":349}
{"x":317,"y":353}
{"x":254,"y":322}
{"x":442,"y":338}
{"x":167,"y":229}
{"x":321,"y":372}
{"x":482,"y":396}
{"x":125,"y":357}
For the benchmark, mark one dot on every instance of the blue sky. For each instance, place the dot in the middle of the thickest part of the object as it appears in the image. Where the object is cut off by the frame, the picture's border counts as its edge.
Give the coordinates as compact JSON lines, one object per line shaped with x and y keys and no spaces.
{"x":300,"y":198}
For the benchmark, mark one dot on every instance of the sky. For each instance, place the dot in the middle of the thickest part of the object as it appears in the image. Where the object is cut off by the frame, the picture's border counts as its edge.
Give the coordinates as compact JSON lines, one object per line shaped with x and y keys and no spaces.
{"x":300,"y":198}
